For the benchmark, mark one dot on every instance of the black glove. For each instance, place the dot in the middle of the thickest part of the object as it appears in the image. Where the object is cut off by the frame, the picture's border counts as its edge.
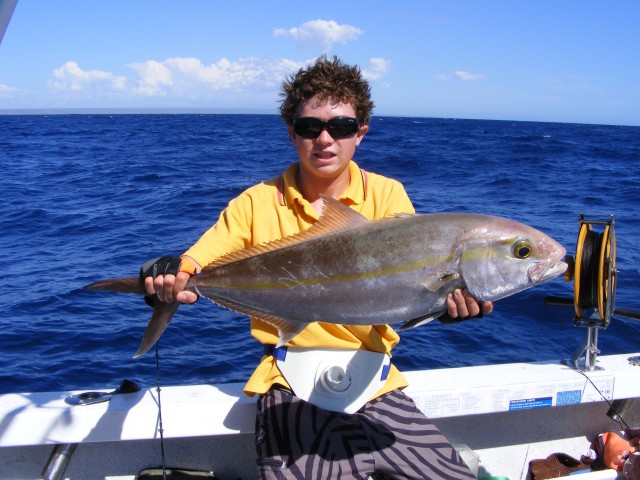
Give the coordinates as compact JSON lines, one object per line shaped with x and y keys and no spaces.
{"x":168,"y":265}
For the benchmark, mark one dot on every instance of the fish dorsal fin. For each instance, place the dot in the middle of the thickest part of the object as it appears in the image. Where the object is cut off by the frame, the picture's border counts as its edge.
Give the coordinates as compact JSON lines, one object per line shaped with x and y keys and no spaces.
{"x":335,"y":217}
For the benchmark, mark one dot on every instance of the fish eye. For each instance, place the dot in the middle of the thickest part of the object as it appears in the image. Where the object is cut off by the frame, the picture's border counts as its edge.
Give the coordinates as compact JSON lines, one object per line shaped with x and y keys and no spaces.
{"x":522,"y":249}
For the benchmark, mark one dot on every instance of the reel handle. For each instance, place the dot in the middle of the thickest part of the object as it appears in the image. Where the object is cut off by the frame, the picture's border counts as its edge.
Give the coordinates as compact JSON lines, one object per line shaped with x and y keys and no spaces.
{"x":623,"y":312}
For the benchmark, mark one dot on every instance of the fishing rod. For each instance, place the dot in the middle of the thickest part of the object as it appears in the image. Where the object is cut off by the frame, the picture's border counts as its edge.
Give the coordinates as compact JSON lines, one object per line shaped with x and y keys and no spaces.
{"x":568,"y":302}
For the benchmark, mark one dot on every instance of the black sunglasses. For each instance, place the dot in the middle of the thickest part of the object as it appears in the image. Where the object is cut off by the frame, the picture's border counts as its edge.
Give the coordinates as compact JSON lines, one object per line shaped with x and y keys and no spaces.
{"x":338,"y":127}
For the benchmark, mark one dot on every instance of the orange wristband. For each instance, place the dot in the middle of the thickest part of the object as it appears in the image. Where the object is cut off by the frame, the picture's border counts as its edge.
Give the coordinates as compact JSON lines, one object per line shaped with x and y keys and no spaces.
{"x":187,"y":266}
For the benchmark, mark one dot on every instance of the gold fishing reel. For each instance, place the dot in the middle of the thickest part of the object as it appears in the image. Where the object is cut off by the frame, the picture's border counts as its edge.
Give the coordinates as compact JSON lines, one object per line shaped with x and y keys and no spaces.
{"x":594,"y":273}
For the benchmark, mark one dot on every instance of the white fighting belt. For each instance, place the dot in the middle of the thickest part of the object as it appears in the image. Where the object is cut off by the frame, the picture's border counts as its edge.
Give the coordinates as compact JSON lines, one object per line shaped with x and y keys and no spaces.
{"x":333,"y":379}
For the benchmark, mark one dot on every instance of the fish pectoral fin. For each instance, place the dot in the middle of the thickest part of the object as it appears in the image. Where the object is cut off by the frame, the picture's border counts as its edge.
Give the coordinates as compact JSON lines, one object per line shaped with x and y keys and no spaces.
{"x":419,"y":321}
{"x":162,"y":314}
{"x":439,"y":280}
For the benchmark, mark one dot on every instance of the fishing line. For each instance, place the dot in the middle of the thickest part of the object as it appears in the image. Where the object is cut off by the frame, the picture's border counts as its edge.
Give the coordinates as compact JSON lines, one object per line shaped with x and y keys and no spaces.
{"x":160,"y":429}
{"x":222,"y":360}
{"x":224,"y":331}
{"x":618,"y":418}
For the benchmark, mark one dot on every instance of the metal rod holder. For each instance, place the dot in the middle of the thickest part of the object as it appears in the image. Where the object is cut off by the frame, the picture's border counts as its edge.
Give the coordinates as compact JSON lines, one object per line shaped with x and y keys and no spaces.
{"x":58,"y":461}
{"x":588,"y":348}
{"x":591,"y":350}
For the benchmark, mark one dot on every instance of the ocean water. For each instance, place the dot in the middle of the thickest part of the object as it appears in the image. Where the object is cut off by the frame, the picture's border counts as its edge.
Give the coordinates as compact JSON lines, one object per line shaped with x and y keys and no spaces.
{"x":86,"y":197}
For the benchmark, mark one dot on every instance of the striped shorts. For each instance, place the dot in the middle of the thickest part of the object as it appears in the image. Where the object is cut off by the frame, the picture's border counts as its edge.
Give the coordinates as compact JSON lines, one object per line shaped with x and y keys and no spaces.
{"x":387,"y":438}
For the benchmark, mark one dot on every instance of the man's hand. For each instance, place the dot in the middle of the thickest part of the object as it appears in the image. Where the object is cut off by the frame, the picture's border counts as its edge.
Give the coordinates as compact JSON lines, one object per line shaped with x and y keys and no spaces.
{"x":461,"y":305}
{"x":166,"y":278}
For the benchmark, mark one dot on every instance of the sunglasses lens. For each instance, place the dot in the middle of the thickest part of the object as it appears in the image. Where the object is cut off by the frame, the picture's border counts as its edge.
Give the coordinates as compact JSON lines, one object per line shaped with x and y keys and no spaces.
{"x":308,"y":127}
{"x":342,"y":127}
{"x":339,"y":127}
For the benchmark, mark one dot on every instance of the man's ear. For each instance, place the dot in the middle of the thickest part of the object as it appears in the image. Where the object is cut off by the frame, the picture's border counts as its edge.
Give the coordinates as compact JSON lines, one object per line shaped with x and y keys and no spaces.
{"x":362,"y":131}
{"x":292,"y":134}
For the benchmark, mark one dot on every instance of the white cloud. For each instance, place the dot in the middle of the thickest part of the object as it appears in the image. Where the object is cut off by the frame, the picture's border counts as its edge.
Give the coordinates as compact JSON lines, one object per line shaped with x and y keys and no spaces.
{"x":468,"y":77}
{"x":70,"y":77}
{"x":378,"y":67}
{"x":320,"y":34}
{"x":461,"y":75}
{"x":154,"y":78}
{"x":177,"y":77}
{"x":8,"y":91}
{"x":186,"y":76}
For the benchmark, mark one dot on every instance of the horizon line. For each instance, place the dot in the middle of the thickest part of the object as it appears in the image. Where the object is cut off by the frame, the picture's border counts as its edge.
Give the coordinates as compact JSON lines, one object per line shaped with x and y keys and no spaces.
{"x":239,"y":111}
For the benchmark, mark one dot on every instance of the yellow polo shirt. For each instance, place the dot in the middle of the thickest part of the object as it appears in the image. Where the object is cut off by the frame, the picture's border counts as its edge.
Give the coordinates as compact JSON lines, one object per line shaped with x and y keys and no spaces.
{"x":276,"y":209}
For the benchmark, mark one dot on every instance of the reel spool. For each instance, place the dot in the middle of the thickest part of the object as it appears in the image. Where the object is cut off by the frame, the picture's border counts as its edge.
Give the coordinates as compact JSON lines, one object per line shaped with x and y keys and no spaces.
{"x":594,"y":273}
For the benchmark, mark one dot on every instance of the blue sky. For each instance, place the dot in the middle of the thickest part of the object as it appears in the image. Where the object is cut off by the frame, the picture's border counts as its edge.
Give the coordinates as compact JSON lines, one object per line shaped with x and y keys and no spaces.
{"x":545,"y":60}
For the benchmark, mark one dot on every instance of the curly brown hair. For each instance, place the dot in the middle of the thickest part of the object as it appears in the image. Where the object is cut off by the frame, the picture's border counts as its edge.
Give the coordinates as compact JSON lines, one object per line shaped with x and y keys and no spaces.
{"x":327,"y":79}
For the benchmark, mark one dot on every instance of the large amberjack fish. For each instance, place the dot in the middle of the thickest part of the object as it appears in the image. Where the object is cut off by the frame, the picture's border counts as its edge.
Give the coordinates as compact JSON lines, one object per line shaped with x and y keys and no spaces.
{"x":348,"y":270}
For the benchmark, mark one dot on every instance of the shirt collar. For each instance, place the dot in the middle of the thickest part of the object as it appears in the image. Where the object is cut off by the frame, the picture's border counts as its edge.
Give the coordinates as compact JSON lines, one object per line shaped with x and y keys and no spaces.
{"x":355,"y":194}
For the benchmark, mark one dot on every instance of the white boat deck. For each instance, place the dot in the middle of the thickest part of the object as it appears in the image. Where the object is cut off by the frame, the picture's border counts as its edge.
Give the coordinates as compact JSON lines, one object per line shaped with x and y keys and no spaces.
{"x":507,"y":414}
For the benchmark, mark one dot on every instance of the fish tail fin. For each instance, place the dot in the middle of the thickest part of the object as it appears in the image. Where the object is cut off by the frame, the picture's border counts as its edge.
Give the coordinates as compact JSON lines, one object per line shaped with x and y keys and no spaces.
{"x":119,"y":285}
{"x":162,"y":314}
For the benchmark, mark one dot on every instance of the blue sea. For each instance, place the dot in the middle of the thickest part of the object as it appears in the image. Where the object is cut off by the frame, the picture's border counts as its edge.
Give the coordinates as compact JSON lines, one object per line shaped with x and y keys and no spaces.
{"x":87,"y":197}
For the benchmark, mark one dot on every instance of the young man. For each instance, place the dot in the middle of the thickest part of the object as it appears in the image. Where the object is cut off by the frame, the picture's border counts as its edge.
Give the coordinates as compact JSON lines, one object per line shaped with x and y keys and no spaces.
{"x":327,"y":108}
